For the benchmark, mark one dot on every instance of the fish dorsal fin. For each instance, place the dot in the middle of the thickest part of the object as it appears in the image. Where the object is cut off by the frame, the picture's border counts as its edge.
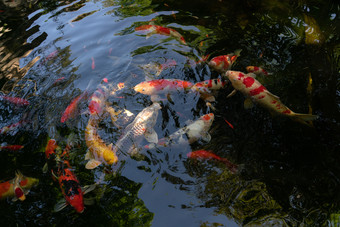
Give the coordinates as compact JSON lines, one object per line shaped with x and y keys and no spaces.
{"x":151,"y":136}
{"x":60,"y":205}
{"x":232,"y":93}
{"x":271,"y":94}
{"x":92,"y":163}
{"x":248,"y":103}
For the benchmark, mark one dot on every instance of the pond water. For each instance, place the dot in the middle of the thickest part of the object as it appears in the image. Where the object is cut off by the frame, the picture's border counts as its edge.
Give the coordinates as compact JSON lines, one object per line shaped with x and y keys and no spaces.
{"x":288,"y":172}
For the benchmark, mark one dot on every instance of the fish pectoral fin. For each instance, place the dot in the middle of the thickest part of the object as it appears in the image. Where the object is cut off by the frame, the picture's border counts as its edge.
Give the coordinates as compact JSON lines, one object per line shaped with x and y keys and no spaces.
{"x":232,"y":93}
{"x":89,"y":201}
{"x":206,"y":137}
{"x":53,"y":174}
{"x":151,"y":136}
{"x":150,"y":34}
{"x":60,"y":205}
{"x":88,"y":188}
{"x":248,"y":103}
{"x":92,"y":163}
{"x":45,"y":168}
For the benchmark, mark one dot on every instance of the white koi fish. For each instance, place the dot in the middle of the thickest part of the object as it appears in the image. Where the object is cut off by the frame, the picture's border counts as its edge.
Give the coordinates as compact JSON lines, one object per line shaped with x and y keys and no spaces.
{"x":189,"y":134}
{"x":256,"y":92}
{"x":141,"y":126}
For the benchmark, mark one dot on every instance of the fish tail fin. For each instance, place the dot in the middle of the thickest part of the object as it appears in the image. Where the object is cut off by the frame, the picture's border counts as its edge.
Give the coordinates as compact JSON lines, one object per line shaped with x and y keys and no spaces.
{"x":304,"y":117}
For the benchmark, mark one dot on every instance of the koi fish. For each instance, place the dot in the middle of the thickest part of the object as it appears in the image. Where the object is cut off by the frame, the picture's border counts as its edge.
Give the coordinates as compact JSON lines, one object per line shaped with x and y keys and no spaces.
{"x":206,"y":87}
{"x":189,"y":134}
{"x":11,"y":147}
{"x":93,"y":64}
{"x":156,"y":29}
{"x":11,"y":127}
{"x":70,"y":188}
{"x":155,"y":69}
{"x":257,"y":70}
{"x":98,"y":151}
{"x":98,"y":99}
{"x":10,"y":188}
{"x":71,"y":109}
{"x":256,"y":92}
{"x":15,"y":100}
{"x":224,"y":62}
{"x":162,"y":86}
{"x":142,"y":126}
{"x":121,"y":115}
{"x":203,"y":154}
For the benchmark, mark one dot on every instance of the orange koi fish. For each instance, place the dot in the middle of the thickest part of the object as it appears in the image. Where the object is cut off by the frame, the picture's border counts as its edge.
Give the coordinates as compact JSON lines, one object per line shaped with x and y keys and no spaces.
{"x":189,"y":134}
{"x":18,"y":187}
{"x":256,"y":92}
{"x":98,"y":151}
{"x":162,"y":86}
{"x":156,"y":29}
{"x":70,"y":188}
{"x":11,"y":147}
{"x":71,"y":109}
{"x":11,"y":127}
{"x":15,"y":100}
{"x":206,"y":87}
{"x":257,"y":70}
{"x":203,"y":154}
{"x":224,"y":62}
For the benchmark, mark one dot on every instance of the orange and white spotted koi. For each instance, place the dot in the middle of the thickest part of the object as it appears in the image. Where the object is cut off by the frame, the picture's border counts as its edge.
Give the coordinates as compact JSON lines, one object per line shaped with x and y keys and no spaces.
{"x":254,"y":90}
{"x":205,"y":88}
{"x":156,"y":29}
{"x":257,"y":70}
{"x":162,"y":86}
{"x":224,"y":62}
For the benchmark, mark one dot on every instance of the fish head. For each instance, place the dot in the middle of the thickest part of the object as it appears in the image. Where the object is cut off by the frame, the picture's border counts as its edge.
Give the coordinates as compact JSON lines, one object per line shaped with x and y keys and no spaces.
{"x":208,"y":118}
{"x":144,"y":88}
{"x":217,"y":63}
{"x":236,"y":78}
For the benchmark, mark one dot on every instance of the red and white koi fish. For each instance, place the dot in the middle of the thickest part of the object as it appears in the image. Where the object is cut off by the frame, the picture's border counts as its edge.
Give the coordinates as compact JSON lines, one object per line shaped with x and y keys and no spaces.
{"x":257,"y":70}
{"x":205,"y":88}
{"x":162,"y":86}
{"x":71,"y":109}
{"x":11,"y":147}
{"x":224,"y":62}
{"x":143,"y":125}
{"x":189,"y":134}
{"x":12,"y":127}
{"x":18,"y":187}
{"x":15,"y":100}
{"x":256,"y":92}
{"x":203,"y":154}
{"x":156,"y":29}
{"x":99,"y":97}
{"x":98,"y":151}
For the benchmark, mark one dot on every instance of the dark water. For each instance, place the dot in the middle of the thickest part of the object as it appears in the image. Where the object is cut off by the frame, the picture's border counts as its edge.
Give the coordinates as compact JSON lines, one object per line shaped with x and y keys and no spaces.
{"x":290,"y":173}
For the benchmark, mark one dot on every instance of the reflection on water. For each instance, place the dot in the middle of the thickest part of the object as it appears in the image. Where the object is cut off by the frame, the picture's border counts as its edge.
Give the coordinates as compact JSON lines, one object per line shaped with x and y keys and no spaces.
{"x":54,"y":51}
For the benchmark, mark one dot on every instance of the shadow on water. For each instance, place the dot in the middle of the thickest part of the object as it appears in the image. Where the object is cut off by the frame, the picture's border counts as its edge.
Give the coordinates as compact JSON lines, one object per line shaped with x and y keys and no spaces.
{"x":55,"y":51}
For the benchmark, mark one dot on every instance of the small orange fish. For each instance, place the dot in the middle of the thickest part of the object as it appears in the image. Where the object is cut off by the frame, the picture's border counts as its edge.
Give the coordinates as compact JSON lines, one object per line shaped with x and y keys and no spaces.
{"x":11,"y":147}
{"x":156,"y":29}
{"x":11,"y":127}
{"x":203,"y":154}
{"x":257,"y":70}
{"x":93,"y":65}
{"x":15,"y":100}
{"x":71,"y":109}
